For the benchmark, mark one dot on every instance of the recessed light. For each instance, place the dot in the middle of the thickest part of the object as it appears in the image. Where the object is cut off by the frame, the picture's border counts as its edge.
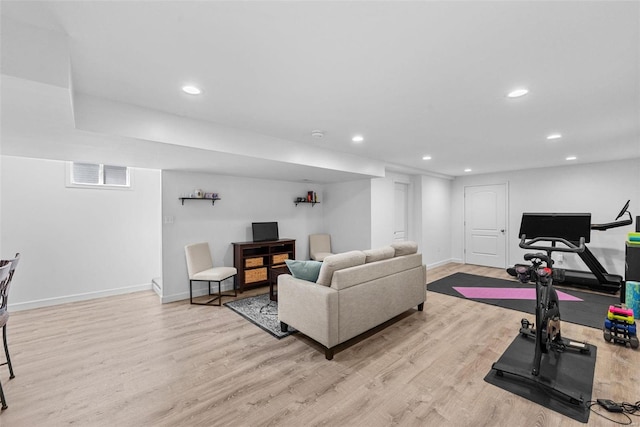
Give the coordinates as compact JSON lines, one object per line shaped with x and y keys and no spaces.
{"x":191,"y":90}
{"x":467,"y":170}
{"x":516,"y":93}
{"x":357,"y":138}
{"x":571,"y":158}
{"x":554,"y":136}
{"x":426,"y":158}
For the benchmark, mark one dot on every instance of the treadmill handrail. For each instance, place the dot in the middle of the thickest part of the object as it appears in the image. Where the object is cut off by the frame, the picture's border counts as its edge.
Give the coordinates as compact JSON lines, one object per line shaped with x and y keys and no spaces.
{"x":571,"y":247}
{"x":615,"y":224}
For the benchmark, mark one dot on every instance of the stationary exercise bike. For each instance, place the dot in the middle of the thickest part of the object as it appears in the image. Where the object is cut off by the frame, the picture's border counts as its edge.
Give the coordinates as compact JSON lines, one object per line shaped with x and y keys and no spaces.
{"x":546,"y":371}
{"x":548,"y":335}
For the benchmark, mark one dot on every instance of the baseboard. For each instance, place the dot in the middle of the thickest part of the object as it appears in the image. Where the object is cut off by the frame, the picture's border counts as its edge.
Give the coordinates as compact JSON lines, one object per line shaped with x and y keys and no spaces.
{"x":47,"y":302}
{"x":444,"y":262}
{"x":156,"y":285}
{"x":196,"y":292}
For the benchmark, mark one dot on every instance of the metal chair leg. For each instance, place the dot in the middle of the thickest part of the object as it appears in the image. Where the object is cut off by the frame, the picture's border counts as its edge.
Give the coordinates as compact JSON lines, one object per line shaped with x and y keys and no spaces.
{"x":2,"y":399}
{"x":6,"y":351}
{"x":217,"y":297}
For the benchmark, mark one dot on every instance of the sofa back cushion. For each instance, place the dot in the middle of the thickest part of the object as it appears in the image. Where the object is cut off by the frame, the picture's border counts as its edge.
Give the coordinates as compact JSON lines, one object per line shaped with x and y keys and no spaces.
{"x":338,"y":262}
{"x":379,"y":254}
{"x":365,"y":273}
{"x":405,"y":248}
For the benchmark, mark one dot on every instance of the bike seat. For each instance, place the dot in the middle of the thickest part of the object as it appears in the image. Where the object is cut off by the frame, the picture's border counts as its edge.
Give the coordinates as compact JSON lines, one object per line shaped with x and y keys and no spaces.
{"x":540,"y":256}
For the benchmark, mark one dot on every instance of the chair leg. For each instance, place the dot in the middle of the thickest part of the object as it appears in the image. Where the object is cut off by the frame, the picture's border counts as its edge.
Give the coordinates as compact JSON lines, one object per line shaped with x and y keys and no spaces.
{"x":216,"y":297}
{"x":2,"y":399}
{"x":6,"y":351}
{"x":219,"y":293}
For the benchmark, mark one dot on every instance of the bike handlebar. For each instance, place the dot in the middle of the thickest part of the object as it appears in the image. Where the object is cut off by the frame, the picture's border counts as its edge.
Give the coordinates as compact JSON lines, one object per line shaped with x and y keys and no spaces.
{"x":571,"y":247}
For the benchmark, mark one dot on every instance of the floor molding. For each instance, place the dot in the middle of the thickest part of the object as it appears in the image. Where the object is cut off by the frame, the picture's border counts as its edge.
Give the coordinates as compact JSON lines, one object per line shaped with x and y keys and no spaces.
{"x":46,"y":302}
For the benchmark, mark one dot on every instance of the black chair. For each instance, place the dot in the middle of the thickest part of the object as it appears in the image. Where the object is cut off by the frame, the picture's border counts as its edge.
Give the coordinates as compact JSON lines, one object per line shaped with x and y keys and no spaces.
{"x":7,"y":269}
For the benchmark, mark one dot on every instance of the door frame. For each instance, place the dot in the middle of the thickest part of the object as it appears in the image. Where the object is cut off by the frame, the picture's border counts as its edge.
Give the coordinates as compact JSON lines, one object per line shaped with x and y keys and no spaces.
{"x":506,"y":217}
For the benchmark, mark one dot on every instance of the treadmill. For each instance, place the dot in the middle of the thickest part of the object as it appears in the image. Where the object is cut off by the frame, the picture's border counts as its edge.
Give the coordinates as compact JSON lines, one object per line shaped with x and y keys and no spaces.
{"x":573,"y":226}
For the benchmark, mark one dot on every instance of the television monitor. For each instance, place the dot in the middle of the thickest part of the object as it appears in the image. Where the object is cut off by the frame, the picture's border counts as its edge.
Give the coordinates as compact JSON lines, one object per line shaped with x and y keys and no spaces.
{"x":569,"y":226}
{"x":264,"y":231}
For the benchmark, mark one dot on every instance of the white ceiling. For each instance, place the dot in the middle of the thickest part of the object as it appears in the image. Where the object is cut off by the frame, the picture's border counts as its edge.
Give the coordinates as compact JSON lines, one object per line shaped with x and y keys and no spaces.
{"x":414,"y":78}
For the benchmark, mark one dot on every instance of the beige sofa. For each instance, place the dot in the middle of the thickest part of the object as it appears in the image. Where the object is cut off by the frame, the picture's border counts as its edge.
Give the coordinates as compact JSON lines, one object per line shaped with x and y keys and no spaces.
{"x":355,"y":291}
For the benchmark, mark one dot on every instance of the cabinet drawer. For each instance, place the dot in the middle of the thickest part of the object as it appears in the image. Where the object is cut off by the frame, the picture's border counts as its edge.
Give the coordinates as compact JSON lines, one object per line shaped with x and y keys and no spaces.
{"x":279,"y":258}
{"x":255,"y":275}
{"x":253,"y":262}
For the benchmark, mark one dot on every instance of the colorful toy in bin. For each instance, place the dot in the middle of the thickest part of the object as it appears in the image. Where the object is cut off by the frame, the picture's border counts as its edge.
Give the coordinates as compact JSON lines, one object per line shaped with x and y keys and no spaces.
{"x":620,"y":326}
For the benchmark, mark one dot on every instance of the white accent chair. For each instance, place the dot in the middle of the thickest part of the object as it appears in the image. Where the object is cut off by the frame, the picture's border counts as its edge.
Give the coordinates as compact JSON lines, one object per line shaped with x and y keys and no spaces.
{"x":200,"y":268}
{"x":319,"y":246}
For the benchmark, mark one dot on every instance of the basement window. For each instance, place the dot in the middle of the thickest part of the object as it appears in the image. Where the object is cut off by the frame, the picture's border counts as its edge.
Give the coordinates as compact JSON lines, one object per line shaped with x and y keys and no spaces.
{"x":93,"y":175}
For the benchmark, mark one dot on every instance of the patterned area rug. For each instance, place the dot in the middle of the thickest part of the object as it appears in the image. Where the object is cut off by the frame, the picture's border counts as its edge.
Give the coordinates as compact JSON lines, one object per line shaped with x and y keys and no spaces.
{"x":260,"y":311}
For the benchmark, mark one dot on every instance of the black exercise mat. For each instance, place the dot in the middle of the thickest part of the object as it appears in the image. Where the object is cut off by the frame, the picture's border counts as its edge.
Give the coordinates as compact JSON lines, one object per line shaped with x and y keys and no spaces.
{"x":591,"y":311}
{"x":571,"y":372}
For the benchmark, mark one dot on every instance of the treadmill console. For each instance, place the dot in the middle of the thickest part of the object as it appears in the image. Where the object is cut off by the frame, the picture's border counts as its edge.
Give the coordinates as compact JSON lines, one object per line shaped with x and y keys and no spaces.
{"x":569,"y":226}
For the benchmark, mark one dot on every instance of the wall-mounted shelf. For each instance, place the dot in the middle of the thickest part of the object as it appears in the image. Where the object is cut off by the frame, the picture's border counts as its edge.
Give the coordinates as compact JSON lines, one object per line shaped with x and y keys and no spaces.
{"x":182,"y":199}
{"x":309,"y":203}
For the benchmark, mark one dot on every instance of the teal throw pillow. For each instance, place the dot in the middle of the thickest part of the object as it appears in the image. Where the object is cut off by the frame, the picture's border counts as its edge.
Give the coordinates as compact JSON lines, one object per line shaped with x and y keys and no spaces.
{"x":305,"y":270}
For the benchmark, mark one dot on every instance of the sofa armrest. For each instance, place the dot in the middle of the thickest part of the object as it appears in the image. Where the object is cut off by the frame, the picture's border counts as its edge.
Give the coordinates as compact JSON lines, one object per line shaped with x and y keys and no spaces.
{"x":310,"y":308}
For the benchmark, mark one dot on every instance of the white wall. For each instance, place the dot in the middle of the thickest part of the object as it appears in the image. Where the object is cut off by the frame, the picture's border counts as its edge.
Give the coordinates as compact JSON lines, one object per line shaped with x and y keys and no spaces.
{"x":244,"y":200}
{"x":77,"y":243}
{"x":599,"y":188}
{"x":347,"y":215}
{"x":436,"y":220}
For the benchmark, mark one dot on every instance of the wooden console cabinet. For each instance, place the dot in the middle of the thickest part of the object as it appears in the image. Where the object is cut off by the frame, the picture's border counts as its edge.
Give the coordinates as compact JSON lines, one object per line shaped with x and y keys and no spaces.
{"x":259,"y":263}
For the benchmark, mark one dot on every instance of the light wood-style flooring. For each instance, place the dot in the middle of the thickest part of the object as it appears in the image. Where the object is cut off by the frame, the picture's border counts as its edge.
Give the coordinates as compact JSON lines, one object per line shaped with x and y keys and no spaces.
{"x":130,"y":361}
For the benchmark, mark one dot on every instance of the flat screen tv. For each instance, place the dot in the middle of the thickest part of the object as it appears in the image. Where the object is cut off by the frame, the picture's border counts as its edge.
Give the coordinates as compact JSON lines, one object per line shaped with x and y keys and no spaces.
{"x":264,"y":231}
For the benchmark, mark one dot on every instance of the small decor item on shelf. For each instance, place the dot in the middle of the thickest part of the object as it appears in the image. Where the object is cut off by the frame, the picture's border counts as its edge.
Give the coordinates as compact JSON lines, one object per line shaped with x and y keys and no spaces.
{"x":209,"y":196}
{"x":198,"y":193}
{"x":309,"y":196}
{"x":315,"y":197}
{"x":300,"y":199}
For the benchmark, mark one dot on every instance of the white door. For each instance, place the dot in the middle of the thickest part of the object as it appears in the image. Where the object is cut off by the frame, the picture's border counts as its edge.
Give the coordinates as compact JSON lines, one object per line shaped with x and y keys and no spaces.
{"x":485,"y":237}
{"x":400,"y":217}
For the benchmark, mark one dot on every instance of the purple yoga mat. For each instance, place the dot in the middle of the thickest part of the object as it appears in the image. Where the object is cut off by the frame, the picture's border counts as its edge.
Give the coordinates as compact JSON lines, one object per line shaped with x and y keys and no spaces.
{"x":507,"y":293}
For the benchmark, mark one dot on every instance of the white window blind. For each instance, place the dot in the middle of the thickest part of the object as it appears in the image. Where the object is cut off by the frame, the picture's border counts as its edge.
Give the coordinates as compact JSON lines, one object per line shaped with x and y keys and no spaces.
{"x":92,"y":174}
{"x":86,"y":173}
{"x":115,"y":175}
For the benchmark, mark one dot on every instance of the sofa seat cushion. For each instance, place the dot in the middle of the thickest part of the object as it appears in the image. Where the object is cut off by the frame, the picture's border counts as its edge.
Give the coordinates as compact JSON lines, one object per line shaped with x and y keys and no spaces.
{"x":405,"y":248}
{"x":337,"y":262}
{"x":305,"y":270}
{"x":379,"y":254}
